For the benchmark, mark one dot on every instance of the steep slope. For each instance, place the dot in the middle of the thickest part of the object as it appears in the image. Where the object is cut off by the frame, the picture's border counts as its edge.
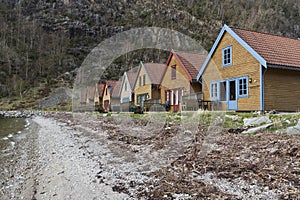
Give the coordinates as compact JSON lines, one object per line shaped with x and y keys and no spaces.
{"x":46,"y":41}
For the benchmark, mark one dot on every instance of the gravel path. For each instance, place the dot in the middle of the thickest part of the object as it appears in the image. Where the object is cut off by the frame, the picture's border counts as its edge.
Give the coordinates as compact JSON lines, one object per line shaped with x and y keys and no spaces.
{"x":64,"y":169}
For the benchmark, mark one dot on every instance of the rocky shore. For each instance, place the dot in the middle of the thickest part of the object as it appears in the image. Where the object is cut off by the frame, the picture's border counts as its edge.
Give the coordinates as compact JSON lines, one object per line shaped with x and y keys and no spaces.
{"x":20,"y":114}
{"x":82,"y":156}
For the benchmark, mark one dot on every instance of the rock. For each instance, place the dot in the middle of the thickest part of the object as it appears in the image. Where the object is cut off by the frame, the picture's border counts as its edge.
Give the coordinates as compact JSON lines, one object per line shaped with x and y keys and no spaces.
{"x":272,"y":112}
{"x":235,"y":130}
{"x":256,"y":121}
{"x":60,"y":96}
{"x":294,"y":129}
{"x":233,"y":117}
{"x":255,"y":129}
{"x":17,"y":114}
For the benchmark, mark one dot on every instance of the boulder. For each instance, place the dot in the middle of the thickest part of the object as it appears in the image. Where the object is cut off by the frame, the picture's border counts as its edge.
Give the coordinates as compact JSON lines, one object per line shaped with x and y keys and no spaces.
{"x":294,"y":129}
{"x":255,"y":129}
{"x":256,"y":121}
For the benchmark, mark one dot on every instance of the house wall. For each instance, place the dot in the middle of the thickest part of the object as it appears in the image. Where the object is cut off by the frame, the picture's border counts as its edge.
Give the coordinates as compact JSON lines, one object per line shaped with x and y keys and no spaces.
{"x":281,"y":88}
{"x":243,"y":64}
{"x":196,"y":86}
{"x":144,"y":88}
{"x":155,"y":92}
{"x":181,"y":81}
{"x":125,"y":94}
{"x":106,"y":97}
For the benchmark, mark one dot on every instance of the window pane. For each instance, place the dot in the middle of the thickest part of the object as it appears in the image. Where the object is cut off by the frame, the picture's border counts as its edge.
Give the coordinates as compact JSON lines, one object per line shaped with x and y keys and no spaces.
{"x":243,"y":90}
{"x":223,"y":91}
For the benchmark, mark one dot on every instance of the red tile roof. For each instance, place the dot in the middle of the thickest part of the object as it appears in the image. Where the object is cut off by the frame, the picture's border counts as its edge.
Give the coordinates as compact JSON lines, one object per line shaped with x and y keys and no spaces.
{"x":100,"y":89}
{"x":155,"y":72}
{"x":131,"y":75}
{"x":192,"y":62}
{"x":116,"y":89}
{"x":111,"y":84}
{"x":274,"y":49}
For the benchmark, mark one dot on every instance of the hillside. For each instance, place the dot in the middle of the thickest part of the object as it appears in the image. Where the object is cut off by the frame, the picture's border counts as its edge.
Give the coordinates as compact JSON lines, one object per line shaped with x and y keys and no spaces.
{"x":43,"y":43}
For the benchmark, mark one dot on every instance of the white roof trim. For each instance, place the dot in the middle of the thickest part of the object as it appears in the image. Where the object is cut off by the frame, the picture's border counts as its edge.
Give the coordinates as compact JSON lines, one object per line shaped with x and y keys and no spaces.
{"x":260,"y":59}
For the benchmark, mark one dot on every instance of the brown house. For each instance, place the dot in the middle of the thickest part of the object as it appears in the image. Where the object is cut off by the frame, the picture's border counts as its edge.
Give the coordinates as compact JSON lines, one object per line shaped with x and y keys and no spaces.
{"x":247,"y":70}
{"x":179,"y":83}
{"x":98,"y":99}
{"x":147,"y":84}
{"x":115,"y":97}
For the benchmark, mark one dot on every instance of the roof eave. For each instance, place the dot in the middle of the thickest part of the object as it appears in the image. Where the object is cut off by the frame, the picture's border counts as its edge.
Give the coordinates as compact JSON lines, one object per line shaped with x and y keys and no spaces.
{"x":277,"y":66}
{"x":260,"y":59}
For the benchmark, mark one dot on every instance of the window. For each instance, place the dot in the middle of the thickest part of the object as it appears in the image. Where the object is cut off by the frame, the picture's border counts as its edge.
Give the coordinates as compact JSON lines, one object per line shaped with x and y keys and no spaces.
{"x":167,"y":95}
{"x":223,"y":91}
{"x":214,"y":91}
{"x":125,"y":86}
{"x":144,"y":79}
{"x":140,"y":81}
{"x":243,"y":87}
{"x":227,"y":56}
{"x":173,"y":72}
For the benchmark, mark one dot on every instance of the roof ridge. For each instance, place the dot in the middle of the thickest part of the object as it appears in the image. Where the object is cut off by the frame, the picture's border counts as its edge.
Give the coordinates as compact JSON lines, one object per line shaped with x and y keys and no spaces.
{"x":191,"y":52}
{"x":271,"y":34}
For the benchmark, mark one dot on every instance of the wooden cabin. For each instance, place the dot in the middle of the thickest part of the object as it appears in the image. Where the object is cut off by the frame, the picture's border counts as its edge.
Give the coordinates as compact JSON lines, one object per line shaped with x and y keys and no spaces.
{"x":179,"y":86}
{"x":247,"y":70}
{"x":115,"y":97}
{"x":127,"y":89}
{"x":147,"y":84}
{"x":98,"y":98}
{"x":108,"y":90}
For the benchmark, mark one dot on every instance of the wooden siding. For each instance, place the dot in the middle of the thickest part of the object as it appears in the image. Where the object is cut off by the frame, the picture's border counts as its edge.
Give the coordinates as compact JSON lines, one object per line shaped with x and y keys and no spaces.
{"x":106,"y":97}
{"x":125,"y":94}
{"x":181,"y":81}
{"x":282,"y":89}
{"x":147,"y":88}
{"x":243,"y":64}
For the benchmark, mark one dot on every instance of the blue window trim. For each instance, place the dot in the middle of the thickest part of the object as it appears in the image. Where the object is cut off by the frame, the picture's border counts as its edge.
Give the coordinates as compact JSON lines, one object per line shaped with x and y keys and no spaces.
{"x":217,"y":97}
{"x":223,"y":57}
{"x":247,"y":87}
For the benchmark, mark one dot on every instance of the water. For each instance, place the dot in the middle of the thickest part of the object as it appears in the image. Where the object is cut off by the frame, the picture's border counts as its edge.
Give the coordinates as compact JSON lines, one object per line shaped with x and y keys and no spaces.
{"x":9,"y":129}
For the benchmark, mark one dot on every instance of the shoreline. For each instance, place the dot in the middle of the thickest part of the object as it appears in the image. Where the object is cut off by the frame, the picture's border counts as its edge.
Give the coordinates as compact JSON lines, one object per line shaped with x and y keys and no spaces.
{"x":20,"y":163}
{"x":85,"y":157}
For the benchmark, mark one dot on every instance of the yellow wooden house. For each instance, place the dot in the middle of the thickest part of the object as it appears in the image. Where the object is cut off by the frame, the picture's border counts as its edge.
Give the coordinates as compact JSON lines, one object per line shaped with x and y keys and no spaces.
{"x":179,"y":83}
{"x":147,"y":83}
{"x":247,"y":70}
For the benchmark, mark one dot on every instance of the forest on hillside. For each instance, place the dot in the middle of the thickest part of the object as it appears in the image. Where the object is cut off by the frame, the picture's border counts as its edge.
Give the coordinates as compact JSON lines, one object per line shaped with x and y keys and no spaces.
{"x":43,"y":43}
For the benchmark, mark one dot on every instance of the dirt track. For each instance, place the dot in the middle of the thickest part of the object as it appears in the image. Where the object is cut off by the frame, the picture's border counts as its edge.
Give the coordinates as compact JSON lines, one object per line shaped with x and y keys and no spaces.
{"x":88,"y":157}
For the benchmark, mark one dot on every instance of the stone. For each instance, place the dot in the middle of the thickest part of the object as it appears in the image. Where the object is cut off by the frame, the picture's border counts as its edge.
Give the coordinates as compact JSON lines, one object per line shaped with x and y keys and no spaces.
{"x":255,"y":129}
{"x":294,"y":129}
{"x":233,"y":117}
{"x":256,"y":121}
